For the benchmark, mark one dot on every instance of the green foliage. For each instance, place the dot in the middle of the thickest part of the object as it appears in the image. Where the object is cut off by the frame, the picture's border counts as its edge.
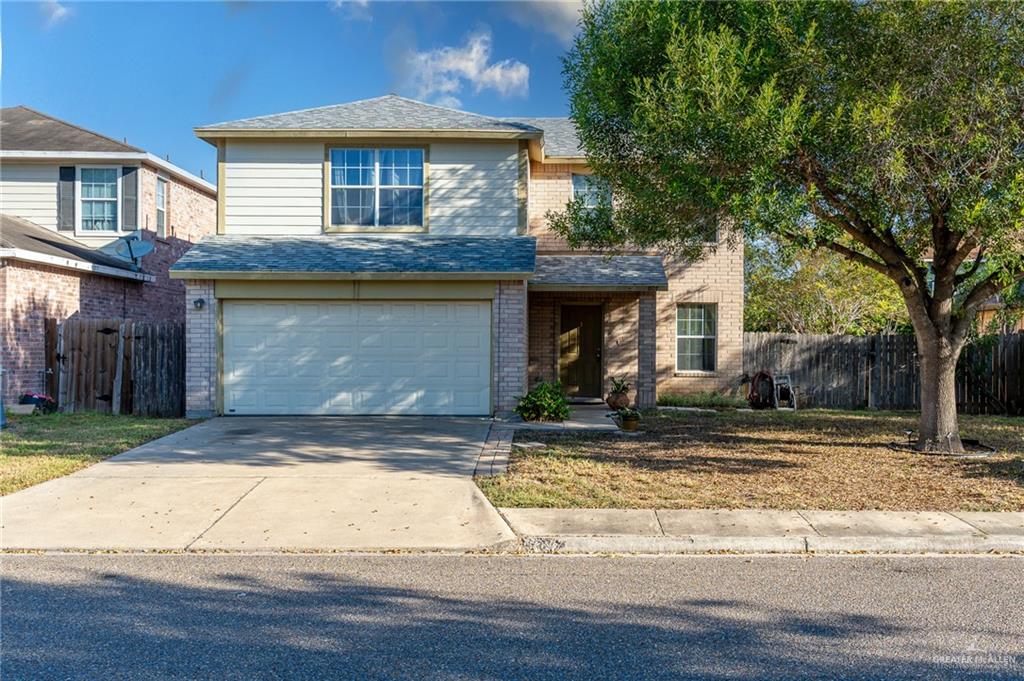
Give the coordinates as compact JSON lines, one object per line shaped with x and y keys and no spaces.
{"x":628,"y":414}
{"x":546,"y":402}
{"x":704,"y":400}
{"x":620,"y":386}
{"x":815,"y":291}
{"x":888,"y":132}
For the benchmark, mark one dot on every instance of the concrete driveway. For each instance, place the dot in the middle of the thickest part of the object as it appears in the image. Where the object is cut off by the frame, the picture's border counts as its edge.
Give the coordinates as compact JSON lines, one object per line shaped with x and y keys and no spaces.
{"x":272,"y":484}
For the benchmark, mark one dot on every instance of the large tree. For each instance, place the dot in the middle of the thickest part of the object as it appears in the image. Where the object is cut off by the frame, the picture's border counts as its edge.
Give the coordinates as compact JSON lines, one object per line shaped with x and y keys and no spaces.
{"x":889,"y":133}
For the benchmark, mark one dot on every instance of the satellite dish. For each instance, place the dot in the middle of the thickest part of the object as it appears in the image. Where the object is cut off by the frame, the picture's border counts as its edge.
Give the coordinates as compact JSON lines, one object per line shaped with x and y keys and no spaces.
{"x":133,"y":249}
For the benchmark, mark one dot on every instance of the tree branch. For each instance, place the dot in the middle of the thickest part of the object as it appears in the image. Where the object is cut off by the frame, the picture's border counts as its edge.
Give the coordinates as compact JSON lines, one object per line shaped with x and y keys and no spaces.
{"x":975,"y":266}
{"x":984,"y":290}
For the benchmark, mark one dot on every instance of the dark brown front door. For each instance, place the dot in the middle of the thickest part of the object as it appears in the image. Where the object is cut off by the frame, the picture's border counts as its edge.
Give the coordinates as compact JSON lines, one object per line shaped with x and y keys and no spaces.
{"x":579,"y":353}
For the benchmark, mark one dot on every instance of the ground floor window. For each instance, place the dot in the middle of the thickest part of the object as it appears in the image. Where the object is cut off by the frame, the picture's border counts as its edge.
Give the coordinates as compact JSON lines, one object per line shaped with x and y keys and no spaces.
{"x":696,"y":331}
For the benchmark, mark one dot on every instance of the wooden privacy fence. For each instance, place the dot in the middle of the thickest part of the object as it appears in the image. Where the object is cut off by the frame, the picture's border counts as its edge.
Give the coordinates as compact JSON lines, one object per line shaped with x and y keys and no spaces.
{"x":117,"y":366}
{"x":882,"y":372}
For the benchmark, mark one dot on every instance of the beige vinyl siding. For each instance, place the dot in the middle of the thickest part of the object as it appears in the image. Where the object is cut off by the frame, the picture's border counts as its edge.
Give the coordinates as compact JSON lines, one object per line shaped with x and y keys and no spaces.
{"x":29,"y":191}
{"x":472,"y":188}
{"x":273,"y":188}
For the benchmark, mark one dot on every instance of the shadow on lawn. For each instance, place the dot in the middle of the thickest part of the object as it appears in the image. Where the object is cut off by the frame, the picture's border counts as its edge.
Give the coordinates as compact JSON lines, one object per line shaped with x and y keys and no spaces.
{"x":99,"y":624}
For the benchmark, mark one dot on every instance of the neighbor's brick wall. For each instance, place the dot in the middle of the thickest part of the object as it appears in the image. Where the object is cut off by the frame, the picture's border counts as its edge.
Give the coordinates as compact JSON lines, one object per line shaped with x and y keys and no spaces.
{"x":32,"y":293}
{"x":718,"y":278}
{"x":509,"y":323}
{"x":624,"y":353}
{"x":200,"y":350}
{"x":191,"y":215}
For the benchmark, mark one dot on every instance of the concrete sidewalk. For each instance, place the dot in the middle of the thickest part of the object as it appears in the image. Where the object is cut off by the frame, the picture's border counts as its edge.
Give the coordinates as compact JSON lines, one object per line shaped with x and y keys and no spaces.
{"x":544,"y":530}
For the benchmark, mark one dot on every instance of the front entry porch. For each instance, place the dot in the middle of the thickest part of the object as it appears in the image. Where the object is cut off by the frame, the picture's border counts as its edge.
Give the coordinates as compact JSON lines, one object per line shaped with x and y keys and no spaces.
{"x":592,"y":318}
{"x":586,"y":339}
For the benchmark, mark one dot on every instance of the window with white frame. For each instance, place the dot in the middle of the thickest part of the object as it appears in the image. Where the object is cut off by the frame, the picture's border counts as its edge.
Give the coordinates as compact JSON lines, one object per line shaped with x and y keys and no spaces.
{"x":591,"y":188}
{"x":696,"y":332}
{"x":377,"y":187}
{"x":161,"y":207}
{"x":98,"y":199}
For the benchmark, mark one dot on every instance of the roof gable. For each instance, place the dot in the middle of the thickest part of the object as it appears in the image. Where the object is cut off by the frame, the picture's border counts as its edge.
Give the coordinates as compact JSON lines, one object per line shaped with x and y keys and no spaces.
{"x":560,"y":137}
{"x":25,"y":129}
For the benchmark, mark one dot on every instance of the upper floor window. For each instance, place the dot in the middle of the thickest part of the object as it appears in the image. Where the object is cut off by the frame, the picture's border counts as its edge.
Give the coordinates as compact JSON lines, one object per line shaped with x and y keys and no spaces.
{"x":98,"y":199}
{"x":161,"y":207}
{"x":696,"y":333}
{"x":591,"y":188}
{"x":377,"y":187}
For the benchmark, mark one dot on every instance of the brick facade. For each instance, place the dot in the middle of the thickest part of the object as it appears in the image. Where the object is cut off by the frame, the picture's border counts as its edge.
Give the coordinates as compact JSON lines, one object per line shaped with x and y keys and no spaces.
{"x":717,"y":278}
{"x":509,"y":343}
{"x":201,"y":374}
{"x":32,"y":293}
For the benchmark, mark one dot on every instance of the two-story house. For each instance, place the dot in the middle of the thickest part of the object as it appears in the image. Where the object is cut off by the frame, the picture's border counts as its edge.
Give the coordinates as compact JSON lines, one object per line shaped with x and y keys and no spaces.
{"x":388,"y":256}
{"x":69,"y":197}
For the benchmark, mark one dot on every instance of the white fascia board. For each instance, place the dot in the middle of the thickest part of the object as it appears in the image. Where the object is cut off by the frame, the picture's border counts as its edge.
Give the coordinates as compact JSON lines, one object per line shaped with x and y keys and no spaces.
{"x":72,"y":264}
{"x":112,"y":156}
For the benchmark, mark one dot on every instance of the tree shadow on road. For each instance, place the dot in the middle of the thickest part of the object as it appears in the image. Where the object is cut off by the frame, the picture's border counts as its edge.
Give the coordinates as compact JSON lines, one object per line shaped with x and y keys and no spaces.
{"x":288,"y":624}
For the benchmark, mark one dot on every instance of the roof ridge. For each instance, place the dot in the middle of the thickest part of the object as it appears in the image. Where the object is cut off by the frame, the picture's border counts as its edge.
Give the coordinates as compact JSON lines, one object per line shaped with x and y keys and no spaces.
{"x":77,"y":127}
{"x":390,"y":96}
{"x":295,"y":111}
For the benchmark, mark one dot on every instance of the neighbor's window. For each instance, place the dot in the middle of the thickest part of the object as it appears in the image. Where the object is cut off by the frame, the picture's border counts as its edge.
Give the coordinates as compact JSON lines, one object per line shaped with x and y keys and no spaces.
{"x":377,"y":187}
{"x":161,"y":207}
{"x":98,"y":199}
{"x":696,"y":329}
{"x":591,"y":188}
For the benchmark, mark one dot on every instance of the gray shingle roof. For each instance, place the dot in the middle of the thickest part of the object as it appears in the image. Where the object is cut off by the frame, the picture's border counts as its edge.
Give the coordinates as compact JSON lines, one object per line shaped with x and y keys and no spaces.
{"x":361,"y":254}
{"x":560,"y":138}
{"x":25,"y":129}
{"x":389,"y":112}
{"x":28,"y":236}
{"x":599,"y":272}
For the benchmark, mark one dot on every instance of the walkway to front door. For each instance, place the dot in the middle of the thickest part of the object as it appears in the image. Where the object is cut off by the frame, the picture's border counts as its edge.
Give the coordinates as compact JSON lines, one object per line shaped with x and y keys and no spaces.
{"x":579,"y":357}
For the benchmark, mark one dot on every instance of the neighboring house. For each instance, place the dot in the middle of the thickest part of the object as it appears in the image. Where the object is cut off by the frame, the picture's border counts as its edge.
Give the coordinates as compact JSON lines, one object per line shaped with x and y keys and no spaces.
{"x":67,"y":197}
{"x":390,"y":256}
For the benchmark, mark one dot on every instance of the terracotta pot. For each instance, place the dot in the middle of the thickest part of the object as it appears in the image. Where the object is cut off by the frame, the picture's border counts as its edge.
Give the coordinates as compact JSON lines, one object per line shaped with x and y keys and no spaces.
{"x":630,"y":424}
{"x":617,"y":400}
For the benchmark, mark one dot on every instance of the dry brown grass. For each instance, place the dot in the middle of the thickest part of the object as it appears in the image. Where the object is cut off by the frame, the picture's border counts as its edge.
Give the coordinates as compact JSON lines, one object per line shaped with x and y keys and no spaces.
{"x":811,"y":460}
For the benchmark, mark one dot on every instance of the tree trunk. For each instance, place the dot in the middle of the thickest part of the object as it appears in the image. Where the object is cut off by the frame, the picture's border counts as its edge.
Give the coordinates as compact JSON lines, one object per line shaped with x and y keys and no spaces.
{"x":939,"y":428}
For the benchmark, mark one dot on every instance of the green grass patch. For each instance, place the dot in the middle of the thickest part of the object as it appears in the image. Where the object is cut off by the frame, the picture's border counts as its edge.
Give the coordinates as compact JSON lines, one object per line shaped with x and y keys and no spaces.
{"x":36,"y":448}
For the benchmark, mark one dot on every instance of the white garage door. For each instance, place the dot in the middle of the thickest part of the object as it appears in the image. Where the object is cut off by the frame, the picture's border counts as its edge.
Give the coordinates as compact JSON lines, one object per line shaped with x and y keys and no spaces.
{"x":334,"y":357}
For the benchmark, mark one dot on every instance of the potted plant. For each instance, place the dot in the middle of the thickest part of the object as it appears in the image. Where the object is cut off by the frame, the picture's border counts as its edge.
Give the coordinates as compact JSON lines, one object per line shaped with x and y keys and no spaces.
{"x":618,"y":397}
{"x":629,"y":418}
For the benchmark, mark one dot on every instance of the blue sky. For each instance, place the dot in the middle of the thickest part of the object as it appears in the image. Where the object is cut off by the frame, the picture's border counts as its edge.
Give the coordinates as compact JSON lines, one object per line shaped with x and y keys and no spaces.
{"x":151,"y":71}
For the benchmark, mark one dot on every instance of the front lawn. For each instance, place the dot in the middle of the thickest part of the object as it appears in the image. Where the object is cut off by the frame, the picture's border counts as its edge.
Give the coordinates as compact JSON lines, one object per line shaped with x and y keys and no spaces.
{"x":37,"y":448}
{"x":774,"y":460}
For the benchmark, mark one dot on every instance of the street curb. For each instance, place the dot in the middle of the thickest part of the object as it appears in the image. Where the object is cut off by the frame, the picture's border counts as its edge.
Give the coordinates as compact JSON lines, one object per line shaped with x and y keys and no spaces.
{"x":567,"y":544}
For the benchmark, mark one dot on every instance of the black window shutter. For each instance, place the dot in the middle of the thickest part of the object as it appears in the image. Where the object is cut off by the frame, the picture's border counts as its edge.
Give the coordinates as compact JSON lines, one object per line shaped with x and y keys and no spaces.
{"x":129,"y":198}
{"x":66,"y":199}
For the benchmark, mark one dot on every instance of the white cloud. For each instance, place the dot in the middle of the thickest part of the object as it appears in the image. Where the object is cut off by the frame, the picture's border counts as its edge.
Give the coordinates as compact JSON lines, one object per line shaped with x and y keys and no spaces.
{"x":557,"y":17}
{"x":353,"y":9}
{"x":53,"y":12}
{"x":439,"y":75}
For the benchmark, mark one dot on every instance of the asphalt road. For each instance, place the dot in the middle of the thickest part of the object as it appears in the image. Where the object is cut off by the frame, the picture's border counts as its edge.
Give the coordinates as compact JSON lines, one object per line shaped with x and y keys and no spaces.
{"x":476,"y":617}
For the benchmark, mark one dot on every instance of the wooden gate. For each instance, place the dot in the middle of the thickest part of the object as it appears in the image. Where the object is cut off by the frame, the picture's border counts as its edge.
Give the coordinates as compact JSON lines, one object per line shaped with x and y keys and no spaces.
{"x":117,"y":366}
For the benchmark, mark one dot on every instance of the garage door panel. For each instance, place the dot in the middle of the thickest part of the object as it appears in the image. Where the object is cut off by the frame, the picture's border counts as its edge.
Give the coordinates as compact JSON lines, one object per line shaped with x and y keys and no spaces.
{"x":326,"y":357}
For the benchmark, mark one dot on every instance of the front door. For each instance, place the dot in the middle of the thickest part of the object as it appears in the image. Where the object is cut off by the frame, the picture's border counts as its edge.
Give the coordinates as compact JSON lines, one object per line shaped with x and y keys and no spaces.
{"x":579,"y":355}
